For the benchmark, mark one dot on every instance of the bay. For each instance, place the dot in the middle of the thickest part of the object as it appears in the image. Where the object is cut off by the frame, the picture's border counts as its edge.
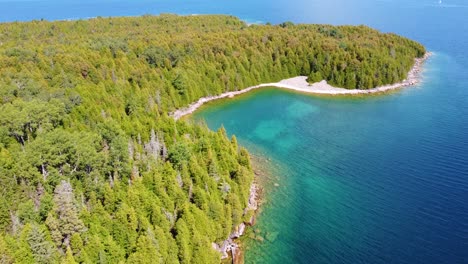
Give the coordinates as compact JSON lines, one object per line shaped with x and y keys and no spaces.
{"x":381,"y":179}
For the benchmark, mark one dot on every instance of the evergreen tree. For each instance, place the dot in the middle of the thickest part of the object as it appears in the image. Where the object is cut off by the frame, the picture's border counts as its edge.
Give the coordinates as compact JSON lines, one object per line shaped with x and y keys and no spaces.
{"x":64,"y":221}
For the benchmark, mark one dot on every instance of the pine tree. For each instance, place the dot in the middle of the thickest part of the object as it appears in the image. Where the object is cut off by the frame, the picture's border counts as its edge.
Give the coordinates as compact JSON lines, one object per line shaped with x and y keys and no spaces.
{"x":64,"y":221}
{"x":69,"y":259}
{"x":42,"y":247}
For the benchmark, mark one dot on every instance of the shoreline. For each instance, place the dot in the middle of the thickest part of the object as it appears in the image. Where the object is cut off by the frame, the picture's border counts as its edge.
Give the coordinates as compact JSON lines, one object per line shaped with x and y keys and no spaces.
{"x":300,"y":84}
{"x":231,"y":249}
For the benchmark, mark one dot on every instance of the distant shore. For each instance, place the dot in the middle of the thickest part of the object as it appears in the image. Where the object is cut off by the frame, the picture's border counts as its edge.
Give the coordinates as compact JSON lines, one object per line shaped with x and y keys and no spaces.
{"x":300,"y":84}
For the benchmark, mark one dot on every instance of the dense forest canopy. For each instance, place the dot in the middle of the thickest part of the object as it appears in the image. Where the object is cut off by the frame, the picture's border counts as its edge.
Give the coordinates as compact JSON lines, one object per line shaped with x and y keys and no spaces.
{"x":92,"y":168}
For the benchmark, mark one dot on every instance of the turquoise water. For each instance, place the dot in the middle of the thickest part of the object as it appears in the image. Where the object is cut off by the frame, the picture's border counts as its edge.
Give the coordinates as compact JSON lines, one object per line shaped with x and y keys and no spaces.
{"x":381,"y":179}
{"x":361,"y":180}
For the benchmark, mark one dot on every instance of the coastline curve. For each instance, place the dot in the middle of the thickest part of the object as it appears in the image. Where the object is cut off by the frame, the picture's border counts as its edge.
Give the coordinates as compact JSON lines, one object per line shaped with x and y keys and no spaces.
{"x":300,"y":84}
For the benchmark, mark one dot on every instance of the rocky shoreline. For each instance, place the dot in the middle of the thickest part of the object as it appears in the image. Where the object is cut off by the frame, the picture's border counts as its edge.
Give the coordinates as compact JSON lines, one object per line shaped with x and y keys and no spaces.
{"x":300,"y":84}
{"x":229,"y":247}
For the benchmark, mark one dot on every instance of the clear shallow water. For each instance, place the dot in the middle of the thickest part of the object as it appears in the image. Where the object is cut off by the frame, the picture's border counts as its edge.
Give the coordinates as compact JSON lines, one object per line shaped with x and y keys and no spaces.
{"x":380,"y":179}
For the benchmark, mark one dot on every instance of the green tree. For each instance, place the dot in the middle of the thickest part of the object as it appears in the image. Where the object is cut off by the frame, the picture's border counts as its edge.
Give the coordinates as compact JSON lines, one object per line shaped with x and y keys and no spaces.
{"x":64,"y":221}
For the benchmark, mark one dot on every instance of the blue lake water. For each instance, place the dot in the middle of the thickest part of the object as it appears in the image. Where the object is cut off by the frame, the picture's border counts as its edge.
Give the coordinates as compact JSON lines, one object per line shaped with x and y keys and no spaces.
{"x":381,"y":179}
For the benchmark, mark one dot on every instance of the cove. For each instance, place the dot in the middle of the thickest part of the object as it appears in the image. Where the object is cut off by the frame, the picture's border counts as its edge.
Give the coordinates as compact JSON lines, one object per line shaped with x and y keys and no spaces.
{"x":374,"y":179}
{"x":364,"y":180}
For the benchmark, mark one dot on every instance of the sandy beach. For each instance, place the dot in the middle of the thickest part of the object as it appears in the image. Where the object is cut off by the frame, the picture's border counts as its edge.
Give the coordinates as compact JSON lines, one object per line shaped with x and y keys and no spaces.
{"x":230,"y":247}
{"x":300,"y":84}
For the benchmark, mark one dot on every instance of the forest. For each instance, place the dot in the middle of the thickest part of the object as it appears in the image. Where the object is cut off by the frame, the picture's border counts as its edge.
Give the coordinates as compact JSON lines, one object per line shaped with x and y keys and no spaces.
{"x":94,"y":170}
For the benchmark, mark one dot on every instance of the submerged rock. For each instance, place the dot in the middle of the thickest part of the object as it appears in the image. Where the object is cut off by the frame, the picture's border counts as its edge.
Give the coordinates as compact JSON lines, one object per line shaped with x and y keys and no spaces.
{"x":272,"y":236}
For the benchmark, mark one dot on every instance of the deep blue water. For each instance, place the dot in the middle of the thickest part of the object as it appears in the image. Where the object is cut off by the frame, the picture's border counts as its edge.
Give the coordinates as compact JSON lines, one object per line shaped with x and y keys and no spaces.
{"x":380,"y":179}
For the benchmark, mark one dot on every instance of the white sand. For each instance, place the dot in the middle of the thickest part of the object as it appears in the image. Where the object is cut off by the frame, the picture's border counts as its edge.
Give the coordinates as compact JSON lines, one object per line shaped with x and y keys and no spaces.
{"x":300,"y":84}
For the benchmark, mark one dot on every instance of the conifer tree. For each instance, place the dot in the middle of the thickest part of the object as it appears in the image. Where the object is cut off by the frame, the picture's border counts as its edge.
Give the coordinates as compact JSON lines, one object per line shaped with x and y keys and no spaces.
{"x":64,"y":221}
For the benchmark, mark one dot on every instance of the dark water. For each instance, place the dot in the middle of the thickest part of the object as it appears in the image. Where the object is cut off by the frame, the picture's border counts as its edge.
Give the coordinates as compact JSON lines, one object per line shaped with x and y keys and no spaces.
{"x":380,"y":179}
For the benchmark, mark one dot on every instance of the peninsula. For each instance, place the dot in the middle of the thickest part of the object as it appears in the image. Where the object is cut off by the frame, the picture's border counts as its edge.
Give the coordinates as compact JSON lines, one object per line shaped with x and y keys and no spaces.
{"x":300,"y":84}
{"x":92,"y":165}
